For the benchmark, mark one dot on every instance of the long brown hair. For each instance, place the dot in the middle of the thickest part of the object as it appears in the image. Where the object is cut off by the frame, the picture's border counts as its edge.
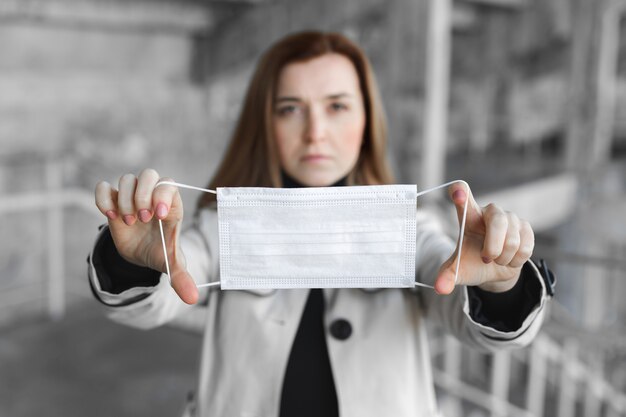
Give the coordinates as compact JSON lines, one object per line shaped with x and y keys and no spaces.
{"x":251,"y":159}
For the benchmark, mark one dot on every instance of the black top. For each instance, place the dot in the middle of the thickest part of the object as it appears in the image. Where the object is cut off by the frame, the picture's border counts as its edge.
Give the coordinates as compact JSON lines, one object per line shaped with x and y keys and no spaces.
{"x":308,"y":385}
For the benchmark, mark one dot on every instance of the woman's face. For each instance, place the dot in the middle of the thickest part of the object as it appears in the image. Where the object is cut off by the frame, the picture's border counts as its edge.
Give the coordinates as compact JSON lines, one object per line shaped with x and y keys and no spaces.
{"x":319,"y":119}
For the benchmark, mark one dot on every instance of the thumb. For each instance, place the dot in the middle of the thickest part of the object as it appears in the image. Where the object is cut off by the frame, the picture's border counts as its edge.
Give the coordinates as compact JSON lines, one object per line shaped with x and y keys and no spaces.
{"x":460,"y":193}
{"x":445,"y":281}
{"x":184,"y":286}
{"x":182,"y":282}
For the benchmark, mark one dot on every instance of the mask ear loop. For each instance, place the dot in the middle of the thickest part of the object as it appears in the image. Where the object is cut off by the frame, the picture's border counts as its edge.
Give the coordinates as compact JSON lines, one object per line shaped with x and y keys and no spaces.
{"x":461,"y":232}
{"x":167,"y":264}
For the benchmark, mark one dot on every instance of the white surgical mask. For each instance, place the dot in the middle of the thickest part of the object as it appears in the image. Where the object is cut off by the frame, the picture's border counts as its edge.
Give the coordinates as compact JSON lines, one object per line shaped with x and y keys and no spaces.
{"x":327,"y":237}
{"x":317,"y":237}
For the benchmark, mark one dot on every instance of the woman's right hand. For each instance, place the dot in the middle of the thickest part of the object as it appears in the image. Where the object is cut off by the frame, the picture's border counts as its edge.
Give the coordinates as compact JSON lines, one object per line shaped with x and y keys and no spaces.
{"x":131,"y":213}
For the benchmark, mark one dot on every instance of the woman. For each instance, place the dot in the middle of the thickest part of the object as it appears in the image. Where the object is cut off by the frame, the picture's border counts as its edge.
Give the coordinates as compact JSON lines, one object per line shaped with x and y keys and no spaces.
{"x":312,"y":117}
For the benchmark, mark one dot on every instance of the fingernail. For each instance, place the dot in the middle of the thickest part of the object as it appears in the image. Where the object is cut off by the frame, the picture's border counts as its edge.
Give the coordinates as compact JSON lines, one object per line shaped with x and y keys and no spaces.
{"x":458,"y":194}
{"x":129,"y":219}
{"x":145,"y":215}
{"x":486,"y":260}
{"x":161,"y":210}
{"x":111,"y":214}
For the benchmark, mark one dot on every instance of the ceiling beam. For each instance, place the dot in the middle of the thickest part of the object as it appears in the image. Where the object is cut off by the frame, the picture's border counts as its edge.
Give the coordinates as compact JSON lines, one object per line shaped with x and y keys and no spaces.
{"x":109,"y":15}
{"x":237,"y":40}
{"x":508,"y":4}
{"x":241,"y":39}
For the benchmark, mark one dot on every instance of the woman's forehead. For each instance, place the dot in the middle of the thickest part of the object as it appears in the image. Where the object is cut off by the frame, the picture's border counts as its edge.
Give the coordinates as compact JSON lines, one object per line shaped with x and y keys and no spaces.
{"x":326,"y":75}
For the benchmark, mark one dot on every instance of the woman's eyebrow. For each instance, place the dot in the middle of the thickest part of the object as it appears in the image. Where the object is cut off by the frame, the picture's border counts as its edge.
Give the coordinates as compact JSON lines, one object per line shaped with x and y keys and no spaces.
{"x":337,"y":96}
{"x":333,"y":96}
{"x":287,"y":98}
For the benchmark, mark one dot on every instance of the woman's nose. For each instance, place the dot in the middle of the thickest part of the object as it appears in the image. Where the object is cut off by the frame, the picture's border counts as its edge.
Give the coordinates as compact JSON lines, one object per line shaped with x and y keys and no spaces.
{"x":316,"y":127}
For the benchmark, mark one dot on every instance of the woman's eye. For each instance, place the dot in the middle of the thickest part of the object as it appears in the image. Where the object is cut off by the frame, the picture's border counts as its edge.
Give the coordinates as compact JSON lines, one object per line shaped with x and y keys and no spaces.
{"x":286,"y":110}
{"x":336,"y":107}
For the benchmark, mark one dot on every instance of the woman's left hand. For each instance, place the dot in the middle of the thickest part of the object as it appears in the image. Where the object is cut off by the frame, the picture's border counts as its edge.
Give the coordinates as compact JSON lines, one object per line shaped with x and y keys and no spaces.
{"x":496,"y":244}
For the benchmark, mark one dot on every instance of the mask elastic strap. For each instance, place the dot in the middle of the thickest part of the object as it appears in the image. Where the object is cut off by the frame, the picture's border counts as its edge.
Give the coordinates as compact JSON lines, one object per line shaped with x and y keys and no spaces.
{"x":167,"y":264}
{"x":461,"y":232}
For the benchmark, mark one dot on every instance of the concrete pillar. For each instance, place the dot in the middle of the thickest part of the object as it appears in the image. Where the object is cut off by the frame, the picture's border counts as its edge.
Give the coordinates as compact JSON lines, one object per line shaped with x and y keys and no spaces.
{"x":55,"y":240}
{"x":437,"y":94}
{"x":584,"y":92}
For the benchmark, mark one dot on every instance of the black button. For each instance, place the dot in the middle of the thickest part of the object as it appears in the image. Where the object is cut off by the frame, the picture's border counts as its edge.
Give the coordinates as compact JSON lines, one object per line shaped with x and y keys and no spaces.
{"x":341,"y":329}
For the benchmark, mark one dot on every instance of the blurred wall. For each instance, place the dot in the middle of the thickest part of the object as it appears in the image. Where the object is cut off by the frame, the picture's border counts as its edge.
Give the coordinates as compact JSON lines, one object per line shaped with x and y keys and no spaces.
{"x":98,"y":99}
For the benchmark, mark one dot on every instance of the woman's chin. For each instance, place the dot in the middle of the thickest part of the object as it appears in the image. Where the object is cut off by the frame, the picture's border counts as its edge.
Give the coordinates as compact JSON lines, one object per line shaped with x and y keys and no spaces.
{"x":316,"y":176}
{"x":319,"y":181}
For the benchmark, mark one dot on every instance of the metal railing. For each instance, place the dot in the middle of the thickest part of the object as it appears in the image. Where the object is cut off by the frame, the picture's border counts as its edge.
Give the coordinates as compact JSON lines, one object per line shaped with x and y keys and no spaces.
{"x":52,"y":201}
{"x":555,"y":374}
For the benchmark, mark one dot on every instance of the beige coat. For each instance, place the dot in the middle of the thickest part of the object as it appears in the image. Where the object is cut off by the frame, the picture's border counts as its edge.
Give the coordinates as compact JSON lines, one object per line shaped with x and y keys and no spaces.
{"x":382,"y":369}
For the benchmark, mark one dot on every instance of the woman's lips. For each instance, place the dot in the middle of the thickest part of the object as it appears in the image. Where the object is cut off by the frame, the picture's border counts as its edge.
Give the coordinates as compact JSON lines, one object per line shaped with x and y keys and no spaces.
{"x":314,"y":158}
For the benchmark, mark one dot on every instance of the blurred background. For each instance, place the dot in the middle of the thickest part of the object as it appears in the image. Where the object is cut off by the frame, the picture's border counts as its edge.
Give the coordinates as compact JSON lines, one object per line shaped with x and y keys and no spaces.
{"x":524,"y":99}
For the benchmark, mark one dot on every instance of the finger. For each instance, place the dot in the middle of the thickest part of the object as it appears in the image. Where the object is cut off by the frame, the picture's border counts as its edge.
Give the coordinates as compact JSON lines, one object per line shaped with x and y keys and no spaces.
{"x":460,"y":193}
{"x":182,"y":283}
{"x":444,"y":284}
{"x":126,"y":198}
{"x":184,"y":286}
{"x":511,"y":241}
{"x":143,"y":194}
{"x":445,"y":281}
{"x":496,"y":225}
{"x":106,"y":198}
{"x":164,"y":198}
{"x":526,"y":247}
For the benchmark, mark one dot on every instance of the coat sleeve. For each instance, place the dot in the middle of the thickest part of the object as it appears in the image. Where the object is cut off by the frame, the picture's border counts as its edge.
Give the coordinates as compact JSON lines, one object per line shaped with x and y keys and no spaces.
{"x":151,"y":306}
{"x":453,"y":311}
